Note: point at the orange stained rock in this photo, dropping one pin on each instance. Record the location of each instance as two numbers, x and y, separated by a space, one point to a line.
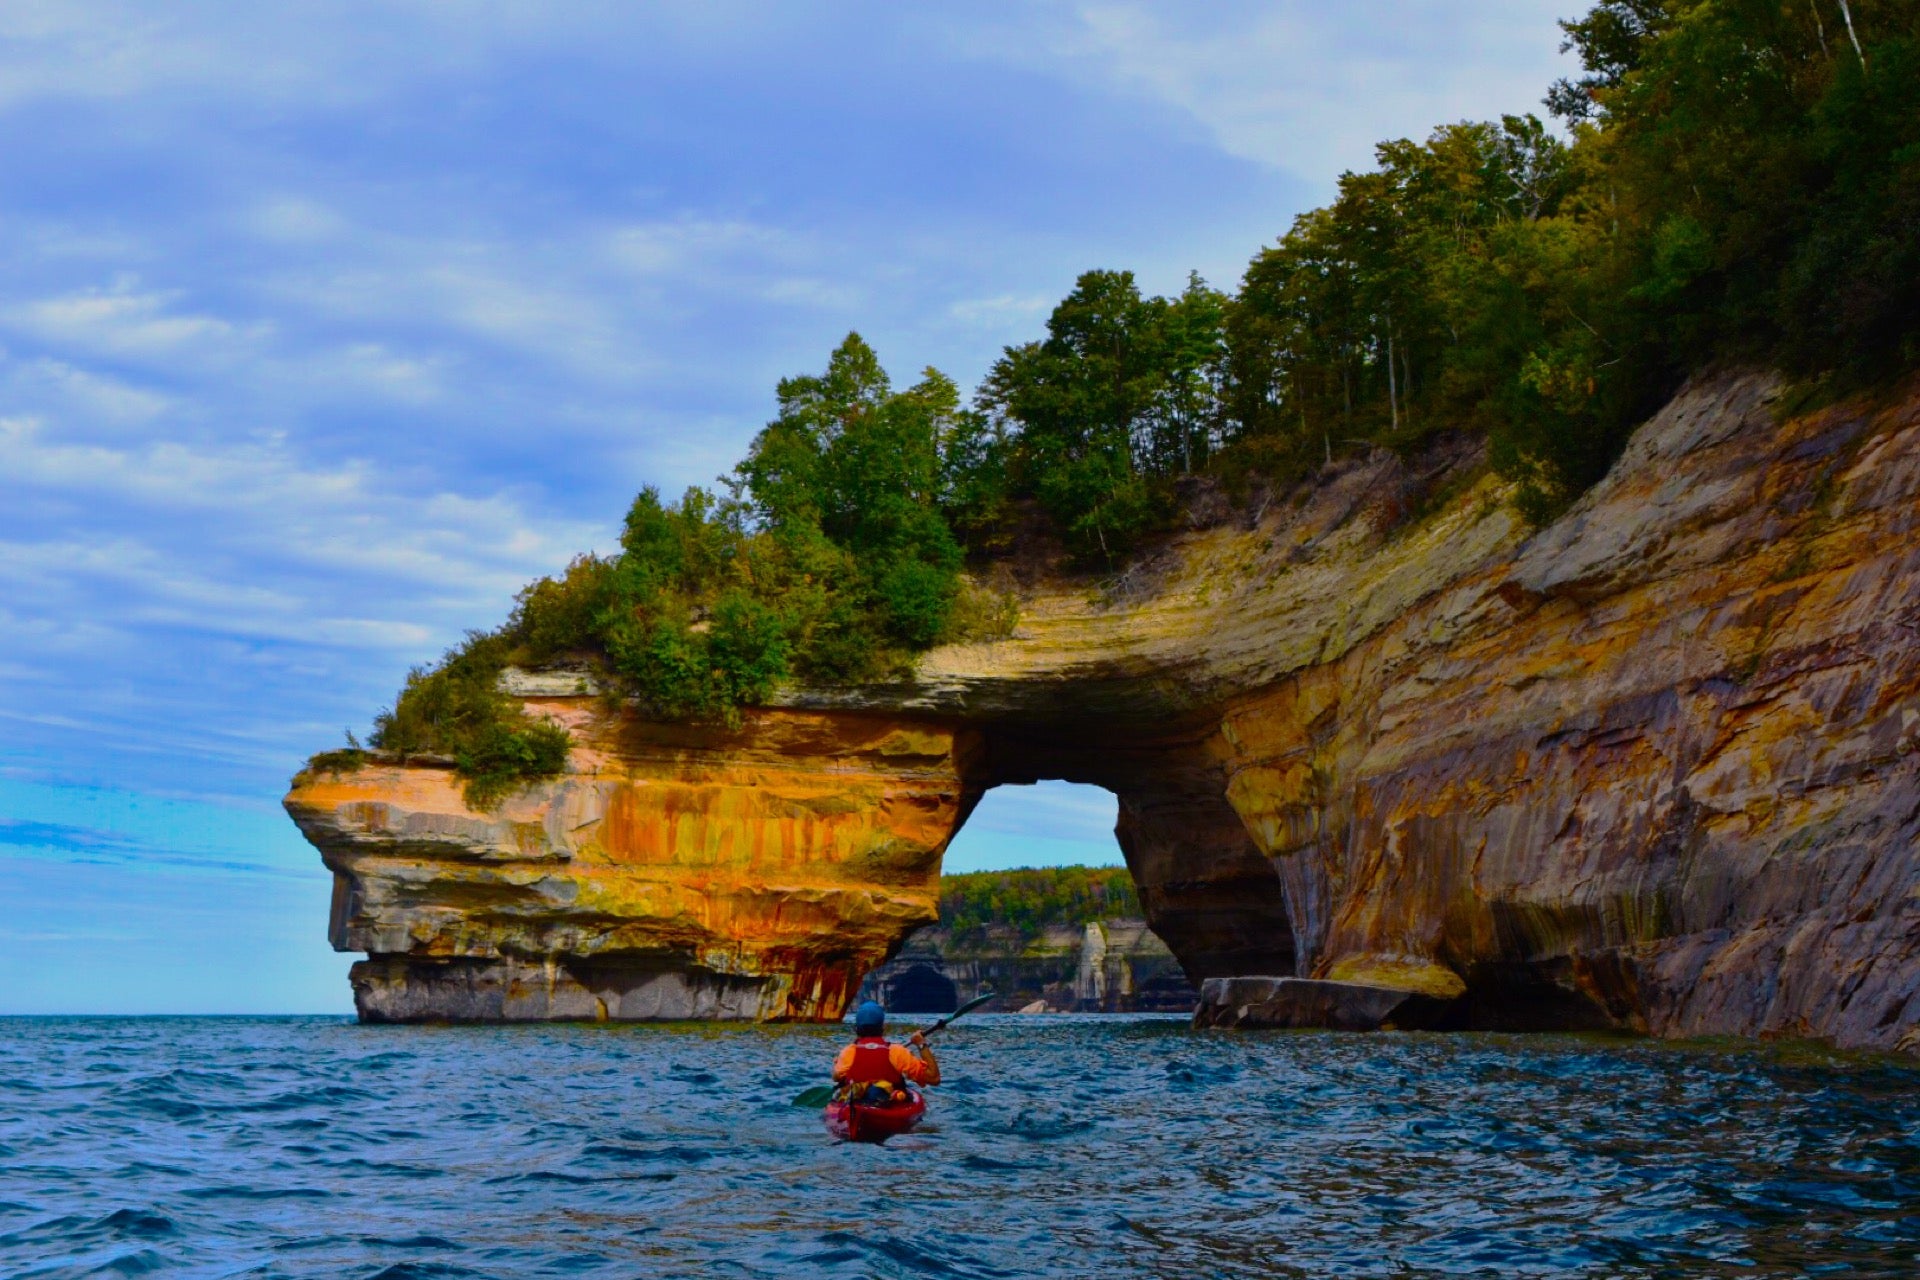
802 864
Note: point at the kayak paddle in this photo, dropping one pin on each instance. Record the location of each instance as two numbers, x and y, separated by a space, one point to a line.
970 1005
820 1095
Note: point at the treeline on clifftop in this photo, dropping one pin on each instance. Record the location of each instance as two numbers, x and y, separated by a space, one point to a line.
1729 180
1032 899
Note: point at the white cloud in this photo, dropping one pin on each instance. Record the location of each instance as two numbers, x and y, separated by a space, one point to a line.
531 302
680 246
91 394
43 718
1306 87
815 291
1002 311
250 539
332 53
175 476
415 379
286 53
295 220
119 321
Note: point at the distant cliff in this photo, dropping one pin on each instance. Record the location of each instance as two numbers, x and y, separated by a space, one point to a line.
1383 754
1101 966
1045 939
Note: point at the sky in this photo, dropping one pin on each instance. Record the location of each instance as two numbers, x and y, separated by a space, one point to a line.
324 327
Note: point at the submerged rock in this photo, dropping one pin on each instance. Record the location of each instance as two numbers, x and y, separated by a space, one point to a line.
1310 1002
1655 766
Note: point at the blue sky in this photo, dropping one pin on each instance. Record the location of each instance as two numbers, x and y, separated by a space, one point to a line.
325 326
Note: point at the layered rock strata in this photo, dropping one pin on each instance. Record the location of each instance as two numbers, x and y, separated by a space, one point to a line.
674 872
1656 766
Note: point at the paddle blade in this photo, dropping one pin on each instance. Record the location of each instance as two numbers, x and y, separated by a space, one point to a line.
976 1002
970 1005
818 1096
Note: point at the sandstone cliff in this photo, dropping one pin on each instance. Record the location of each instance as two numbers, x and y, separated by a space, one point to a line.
675 872
1654 766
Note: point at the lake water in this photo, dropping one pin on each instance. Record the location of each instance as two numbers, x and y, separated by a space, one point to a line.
1060 1147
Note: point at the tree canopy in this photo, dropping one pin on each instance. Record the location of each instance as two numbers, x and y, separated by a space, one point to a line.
1734 179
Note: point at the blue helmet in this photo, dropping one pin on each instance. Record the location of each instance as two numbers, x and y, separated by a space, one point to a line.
869 1019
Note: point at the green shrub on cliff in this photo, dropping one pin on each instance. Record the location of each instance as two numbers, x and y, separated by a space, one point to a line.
554 618
1117 399
456 710
1034 898
845 486
829 559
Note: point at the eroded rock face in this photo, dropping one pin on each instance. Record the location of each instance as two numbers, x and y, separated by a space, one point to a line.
673 873
1656 766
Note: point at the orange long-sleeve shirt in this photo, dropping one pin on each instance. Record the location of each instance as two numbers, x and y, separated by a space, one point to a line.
899 1055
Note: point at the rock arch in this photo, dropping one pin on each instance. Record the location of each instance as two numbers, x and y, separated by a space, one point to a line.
757 872
1655 766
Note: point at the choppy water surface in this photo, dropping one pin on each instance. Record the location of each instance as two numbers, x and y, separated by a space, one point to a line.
1060 1147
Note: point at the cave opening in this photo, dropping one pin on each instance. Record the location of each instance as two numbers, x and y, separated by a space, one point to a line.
1059 944
919 988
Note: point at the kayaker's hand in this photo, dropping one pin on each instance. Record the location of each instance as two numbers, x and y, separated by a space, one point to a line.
918 1041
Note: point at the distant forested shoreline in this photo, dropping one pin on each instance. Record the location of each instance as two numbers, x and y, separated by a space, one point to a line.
1030 900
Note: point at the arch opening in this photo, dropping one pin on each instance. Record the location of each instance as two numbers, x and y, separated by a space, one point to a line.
1205 887
1208 903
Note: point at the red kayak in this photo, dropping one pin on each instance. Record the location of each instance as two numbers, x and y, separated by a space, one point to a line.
852 1122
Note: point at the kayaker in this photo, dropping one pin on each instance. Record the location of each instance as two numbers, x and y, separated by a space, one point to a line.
873 1059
